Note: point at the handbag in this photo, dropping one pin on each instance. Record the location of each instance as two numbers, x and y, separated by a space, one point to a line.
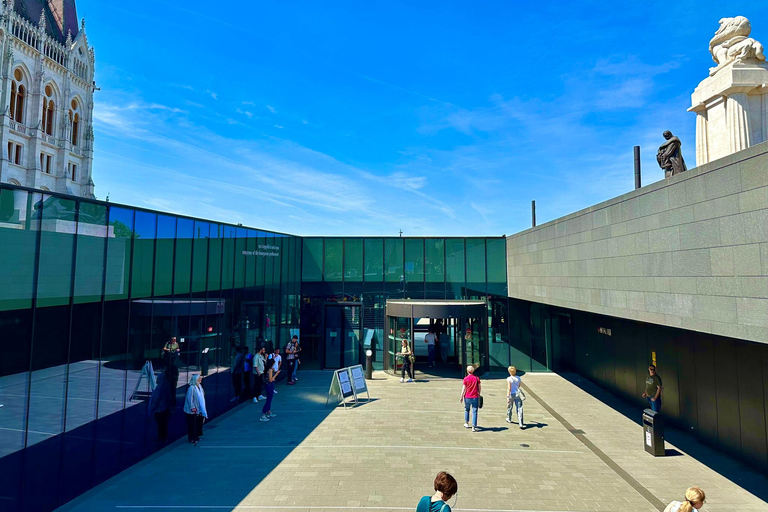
479 401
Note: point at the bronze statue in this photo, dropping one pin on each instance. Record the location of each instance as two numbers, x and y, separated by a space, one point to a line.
670 157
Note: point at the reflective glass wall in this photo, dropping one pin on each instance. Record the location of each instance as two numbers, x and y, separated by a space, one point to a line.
90 292
366 272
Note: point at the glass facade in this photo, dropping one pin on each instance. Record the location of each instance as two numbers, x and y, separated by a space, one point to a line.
90 292
366 272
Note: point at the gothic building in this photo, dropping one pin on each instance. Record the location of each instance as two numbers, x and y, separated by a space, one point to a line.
46 97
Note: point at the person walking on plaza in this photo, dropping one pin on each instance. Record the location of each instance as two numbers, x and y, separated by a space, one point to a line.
470 395
291 349
161 402
515 396
445 488
407 355
259 363
266 411
694 499
238 367
653 389
194 408
430 340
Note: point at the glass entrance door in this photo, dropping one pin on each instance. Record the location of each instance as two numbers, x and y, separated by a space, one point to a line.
342 335
472 337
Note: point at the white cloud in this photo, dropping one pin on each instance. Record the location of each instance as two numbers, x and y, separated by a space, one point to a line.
271 109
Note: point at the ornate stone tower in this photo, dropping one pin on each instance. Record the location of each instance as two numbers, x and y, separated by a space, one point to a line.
731 105
46 97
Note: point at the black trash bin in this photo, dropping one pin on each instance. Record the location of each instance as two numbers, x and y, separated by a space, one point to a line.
653 432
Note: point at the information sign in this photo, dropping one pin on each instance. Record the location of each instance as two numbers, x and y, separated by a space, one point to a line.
358 380
341 387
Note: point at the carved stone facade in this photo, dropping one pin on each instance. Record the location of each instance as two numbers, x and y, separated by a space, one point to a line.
46 97
731 105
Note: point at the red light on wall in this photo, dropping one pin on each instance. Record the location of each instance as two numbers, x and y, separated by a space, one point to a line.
210 329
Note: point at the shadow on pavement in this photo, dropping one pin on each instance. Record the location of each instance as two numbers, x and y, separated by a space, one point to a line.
730 468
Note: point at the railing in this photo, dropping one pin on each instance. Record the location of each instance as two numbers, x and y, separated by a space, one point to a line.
13 125
76 150
50 139
31 35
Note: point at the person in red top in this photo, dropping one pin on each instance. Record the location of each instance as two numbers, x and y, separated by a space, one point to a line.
470 395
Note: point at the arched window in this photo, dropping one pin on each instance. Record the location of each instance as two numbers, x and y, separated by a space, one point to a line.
49 107
74 121
14 182
18 94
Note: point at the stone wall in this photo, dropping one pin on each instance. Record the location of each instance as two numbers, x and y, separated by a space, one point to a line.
690 251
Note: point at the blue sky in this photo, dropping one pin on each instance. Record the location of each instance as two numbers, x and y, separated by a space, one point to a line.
364 118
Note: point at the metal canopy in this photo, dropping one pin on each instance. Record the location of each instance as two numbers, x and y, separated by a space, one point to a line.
436 308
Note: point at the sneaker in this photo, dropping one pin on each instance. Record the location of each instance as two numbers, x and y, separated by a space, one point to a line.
255 399
263 418
233 399
290 383
262 397
466 425
509 420
402 380
475 429
295 380
271 415
409 380
275 391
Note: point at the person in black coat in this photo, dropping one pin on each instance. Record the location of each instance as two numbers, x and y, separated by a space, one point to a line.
161 402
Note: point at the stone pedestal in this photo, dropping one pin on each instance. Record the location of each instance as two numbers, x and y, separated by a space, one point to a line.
731 110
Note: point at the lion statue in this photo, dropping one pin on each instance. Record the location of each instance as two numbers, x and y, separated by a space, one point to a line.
732 43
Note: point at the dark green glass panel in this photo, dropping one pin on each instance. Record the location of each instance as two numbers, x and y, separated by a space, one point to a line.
185 229
228 258
475 260
312 265
353 259
393 260
240 257
166 239
18 248
434 264
57 244
374 259
89 260
454 261
333 258
414 259
143 254
496 249
119 253
214 257
250 258
200 257
261 260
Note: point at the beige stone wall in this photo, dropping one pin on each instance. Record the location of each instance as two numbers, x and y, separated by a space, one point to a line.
690 251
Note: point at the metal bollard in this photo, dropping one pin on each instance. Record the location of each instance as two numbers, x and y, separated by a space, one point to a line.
368 365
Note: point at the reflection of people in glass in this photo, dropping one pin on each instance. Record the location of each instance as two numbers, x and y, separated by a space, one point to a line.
171 352
407 355
160 404
194 408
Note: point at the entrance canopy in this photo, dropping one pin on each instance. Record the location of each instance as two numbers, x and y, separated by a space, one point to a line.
436 308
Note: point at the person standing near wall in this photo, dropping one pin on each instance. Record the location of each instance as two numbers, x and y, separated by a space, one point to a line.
694 499
290 356
296 361
194 408
259 363
653 389
470 395
275 356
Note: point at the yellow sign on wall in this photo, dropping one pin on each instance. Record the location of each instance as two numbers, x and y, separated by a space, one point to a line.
653 358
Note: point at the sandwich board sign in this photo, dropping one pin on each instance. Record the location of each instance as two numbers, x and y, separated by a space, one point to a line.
341 387
358 380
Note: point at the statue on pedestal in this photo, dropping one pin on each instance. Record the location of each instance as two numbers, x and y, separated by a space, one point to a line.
732 43
670 157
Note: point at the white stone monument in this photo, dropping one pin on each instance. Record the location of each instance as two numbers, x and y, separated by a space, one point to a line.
731 105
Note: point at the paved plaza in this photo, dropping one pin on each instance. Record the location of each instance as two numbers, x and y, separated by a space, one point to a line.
581 452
